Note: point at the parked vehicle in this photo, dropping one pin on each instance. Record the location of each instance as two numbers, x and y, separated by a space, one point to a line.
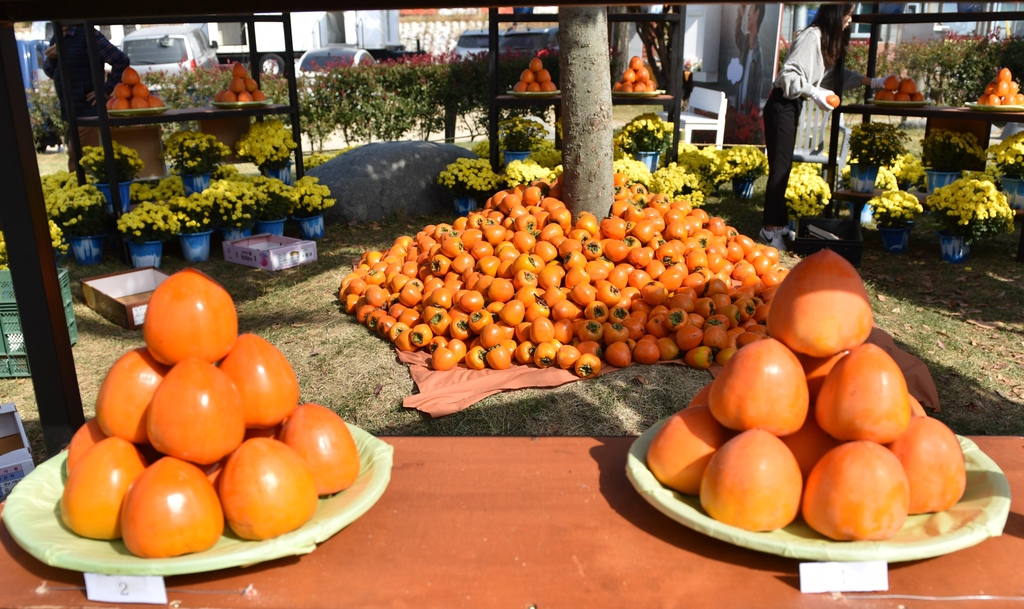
529 40
472 42
316 59
374 31
171 48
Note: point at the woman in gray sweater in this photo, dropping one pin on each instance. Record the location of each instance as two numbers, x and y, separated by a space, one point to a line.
807 74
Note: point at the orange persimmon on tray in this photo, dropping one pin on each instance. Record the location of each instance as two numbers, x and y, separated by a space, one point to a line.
132 98
811 437
199 431
521 283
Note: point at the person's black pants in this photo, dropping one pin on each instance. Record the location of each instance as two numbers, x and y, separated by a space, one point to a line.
780 122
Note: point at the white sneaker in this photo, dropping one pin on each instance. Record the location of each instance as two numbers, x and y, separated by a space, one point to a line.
775 238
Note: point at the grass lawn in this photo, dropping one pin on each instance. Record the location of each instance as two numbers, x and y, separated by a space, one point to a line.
966 322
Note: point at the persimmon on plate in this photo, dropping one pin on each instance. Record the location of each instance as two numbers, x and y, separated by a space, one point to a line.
981 513
30 517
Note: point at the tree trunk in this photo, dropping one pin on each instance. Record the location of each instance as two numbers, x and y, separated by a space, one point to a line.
586 110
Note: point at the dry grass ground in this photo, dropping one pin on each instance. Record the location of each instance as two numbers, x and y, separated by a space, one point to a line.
966 323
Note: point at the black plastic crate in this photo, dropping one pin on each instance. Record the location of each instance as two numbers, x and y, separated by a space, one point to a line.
850 244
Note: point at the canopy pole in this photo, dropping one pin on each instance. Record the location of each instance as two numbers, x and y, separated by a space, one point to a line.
33 268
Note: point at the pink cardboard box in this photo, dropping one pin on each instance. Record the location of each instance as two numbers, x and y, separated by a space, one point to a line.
270 252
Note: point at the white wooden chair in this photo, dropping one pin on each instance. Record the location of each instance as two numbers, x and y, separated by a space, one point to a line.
812 135
707 101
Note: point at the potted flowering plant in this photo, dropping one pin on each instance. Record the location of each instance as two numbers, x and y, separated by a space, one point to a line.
279 198
518 136
1009 159
946 154
744 164
677 182
145 229
873 145
194 156
807 193
971 210
269 145
195 216
526 172
645 138
311 199
235 204
894 213
79 213
163 190
468 179
128 166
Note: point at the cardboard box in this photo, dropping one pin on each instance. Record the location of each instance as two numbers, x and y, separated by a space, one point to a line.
15 454
123 297
270 252
146 141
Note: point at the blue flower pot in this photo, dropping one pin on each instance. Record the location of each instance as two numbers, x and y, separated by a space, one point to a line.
862 177
867 213
123 188
272 227
311 227
230 234
464 205
650 159
195 182
284 174
1013 188
515 155
743 188
195 247
955 248
938 179
895 240
87 250
146 254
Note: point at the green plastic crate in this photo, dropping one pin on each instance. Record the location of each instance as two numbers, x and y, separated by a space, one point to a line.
13 358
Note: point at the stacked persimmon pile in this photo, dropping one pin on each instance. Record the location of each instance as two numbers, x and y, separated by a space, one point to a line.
812 421
535 79
899 89
520 282
1003 91
131 94
198 427
242 88
635 79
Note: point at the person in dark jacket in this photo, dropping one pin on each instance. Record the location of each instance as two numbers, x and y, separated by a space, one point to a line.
80 89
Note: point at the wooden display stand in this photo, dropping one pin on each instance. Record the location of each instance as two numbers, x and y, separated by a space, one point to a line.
146 141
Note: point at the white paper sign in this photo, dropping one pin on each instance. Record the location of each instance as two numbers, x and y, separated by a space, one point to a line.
139 314
844 576
125 589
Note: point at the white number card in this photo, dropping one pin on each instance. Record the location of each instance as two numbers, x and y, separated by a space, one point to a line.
125 589
844 576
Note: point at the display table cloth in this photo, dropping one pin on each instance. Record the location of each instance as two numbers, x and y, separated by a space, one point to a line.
545 522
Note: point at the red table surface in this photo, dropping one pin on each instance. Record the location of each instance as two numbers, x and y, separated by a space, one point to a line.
538 522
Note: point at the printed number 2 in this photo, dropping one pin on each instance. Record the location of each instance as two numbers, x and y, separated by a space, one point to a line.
124 588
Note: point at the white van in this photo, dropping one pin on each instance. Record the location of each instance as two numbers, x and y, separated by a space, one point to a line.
170 48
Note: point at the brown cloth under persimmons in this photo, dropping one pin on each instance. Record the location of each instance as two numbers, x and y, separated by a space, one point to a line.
442 393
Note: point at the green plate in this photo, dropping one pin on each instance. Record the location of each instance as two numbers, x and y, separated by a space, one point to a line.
981 108
885 103
980 514
654 93
535 93
32 515
252 104
137 111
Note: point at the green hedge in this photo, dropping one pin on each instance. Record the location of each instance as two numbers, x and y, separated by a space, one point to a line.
384 101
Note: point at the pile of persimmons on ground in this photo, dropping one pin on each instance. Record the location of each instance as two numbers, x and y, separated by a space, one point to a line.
521 282
201 426
812 421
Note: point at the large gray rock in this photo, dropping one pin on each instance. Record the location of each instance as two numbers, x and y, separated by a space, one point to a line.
377 180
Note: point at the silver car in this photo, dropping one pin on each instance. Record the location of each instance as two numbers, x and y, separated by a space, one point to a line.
169 48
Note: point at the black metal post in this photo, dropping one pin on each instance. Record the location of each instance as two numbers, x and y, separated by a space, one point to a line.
492 68
676 80
31 255
74 142
293 93
254 56
96 67
876 29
